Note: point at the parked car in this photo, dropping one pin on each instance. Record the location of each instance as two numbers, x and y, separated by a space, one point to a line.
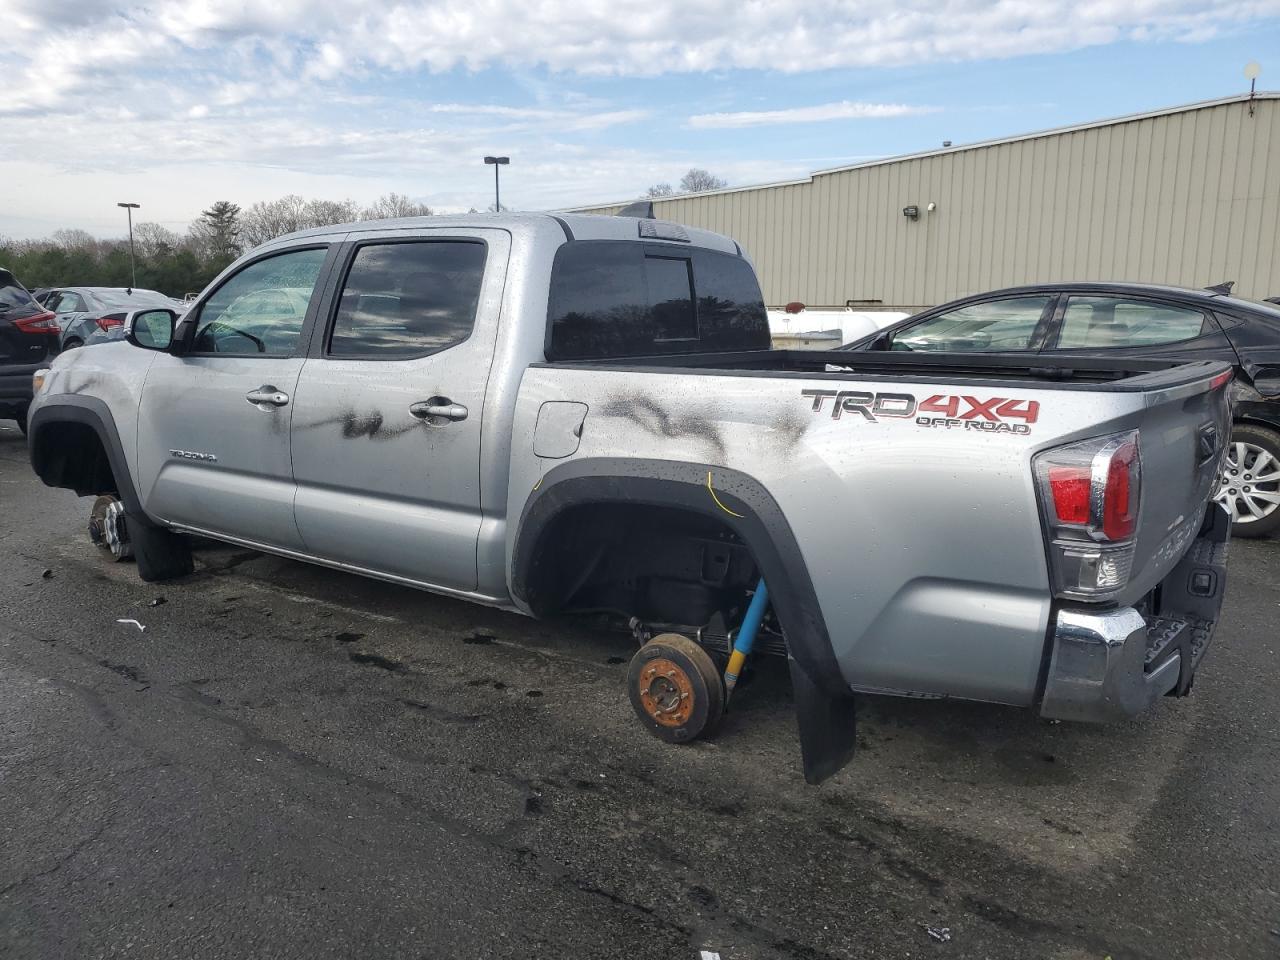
1063 320
538 413
82 310
28 340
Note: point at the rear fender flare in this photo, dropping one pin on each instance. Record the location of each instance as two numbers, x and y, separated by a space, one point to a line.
732 497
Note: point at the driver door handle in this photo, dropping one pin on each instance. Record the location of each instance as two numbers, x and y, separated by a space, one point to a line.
267 394
425 410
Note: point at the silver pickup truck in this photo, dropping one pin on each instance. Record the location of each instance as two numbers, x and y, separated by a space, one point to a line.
557 414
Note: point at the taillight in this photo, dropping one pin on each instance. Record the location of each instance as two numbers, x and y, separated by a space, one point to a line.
44 322
106 323
1090 493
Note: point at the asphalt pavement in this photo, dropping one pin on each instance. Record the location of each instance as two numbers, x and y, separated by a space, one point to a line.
293 762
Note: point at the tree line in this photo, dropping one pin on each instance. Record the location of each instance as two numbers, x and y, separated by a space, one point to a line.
178 264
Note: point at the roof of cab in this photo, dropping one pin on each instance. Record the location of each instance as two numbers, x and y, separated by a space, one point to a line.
573 226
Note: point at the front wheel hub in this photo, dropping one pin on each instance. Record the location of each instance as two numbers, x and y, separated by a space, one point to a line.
109 528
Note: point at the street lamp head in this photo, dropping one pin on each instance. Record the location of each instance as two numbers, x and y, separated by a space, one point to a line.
131 206
497 160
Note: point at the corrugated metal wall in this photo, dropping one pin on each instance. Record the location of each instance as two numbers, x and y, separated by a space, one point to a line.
1187 198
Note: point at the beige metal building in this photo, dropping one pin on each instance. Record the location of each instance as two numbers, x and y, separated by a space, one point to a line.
1189 195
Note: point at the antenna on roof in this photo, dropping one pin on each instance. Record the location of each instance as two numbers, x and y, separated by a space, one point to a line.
1222 289
1251 71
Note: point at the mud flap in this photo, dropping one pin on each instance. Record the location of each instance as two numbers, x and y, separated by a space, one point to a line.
828 733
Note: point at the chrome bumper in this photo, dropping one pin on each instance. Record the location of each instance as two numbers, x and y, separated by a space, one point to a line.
1111 664
1097 670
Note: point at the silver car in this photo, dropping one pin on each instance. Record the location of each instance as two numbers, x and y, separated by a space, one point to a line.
84 311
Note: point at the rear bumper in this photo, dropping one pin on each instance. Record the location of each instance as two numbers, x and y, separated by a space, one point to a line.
1112 664
15 385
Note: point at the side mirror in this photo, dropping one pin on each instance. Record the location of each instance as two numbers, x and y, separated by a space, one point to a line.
152 329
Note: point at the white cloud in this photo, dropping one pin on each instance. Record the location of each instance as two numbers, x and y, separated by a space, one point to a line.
844 110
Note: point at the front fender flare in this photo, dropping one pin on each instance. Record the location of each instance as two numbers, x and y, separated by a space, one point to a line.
95 414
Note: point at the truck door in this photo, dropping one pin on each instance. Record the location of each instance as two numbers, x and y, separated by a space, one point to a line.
387 424
213 426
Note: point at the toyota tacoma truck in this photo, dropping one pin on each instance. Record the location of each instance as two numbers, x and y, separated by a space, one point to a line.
558 414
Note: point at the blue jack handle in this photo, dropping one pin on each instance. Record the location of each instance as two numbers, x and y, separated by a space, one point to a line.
746 636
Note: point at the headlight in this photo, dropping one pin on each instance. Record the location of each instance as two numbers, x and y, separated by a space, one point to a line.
38 378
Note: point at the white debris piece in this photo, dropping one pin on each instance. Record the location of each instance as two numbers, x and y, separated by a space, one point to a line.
941 934
141 628
708 955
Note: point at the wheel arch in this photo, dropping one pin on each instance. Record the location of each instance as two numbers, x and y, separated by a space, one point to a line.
51 430
731 497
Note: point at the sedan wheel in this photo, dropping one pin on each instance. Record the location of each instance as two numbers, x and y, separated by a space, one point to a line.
1250 482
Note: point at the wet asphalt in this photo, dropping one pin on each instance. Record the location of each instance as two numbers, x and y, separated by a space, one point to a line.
294 762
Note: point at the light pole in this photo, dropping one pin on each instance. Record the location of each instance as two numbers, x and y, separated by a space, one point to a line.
133 269
497 162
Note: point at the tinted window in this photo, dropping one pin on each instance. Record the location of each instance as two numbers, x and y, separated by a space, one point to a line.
1102 322
671 298
608 299
408 299
12 295
261 308
997 325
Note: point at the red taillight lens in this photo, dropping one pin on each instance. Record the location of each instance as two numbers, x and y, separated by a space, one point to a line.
1120 499
1070 487
106 323
1089 495
39 323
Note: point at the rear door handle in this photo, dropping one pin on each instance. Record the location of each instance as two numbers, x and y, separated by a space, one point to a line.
267 394
437 410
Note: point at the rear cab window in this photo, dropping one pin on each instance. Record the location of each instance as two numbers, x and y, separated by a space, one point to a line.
621 298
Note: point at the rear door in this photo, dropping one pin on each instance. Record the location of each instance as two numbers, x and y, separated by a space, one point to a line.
213 428
387 422
1096 324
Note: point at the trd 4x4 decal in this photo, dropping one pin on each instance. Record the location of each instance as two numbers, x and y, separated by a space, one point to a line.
961 412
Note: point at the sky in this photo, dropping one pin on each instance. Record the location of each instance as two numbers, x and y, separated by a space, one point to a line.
174 104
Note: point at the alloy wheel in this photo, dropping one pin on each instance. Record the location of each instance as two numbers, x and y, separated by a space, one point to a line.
1250 488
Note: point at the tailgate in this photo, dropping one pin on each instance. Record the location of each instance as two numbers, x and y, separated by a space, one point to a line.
1182 437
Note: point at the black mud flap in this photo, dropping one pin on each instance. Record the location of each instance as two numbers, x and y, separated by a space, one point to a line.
828 733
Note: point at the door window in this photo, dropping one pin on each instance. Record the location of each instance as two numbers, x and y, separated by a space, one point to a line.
69 302
993 326
404 300
1105 322
260 310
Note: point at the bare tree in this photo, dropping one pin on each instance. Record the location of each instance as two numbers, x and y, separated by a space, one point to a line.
697 180
155 241
268 219
323 213
659 190
393 205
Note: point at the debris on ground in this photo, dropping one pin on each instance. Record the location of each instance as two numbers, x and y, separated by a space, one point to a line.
47 574
141 628
156 602
941 934
708 955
